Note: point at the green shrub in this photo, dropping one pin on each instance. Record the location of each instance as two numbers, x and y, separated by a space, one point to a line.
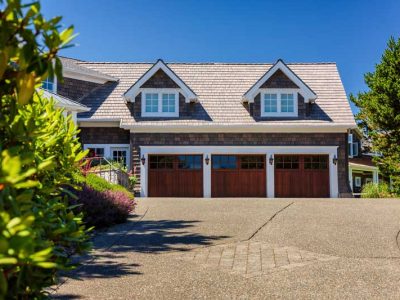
39 152
101 185
374 190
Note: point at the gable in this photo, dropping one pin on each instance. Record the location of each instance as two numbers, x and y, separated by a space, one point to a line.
160 80
279 81
307 93
153 76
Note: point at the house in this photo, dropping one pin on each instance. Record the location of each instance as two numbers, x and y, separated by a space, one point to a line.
217 129
362 169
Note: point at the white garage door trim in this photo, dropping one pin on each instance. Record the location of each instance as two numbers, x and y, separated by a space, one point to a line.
266 150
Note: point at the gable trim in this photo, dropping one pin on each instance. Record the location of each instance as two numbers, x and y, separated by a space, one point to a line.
308 94
135 89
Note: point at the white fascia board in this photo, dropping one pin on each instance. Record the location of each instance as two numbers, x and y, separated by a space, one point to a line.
135 89
239 128
76 108
85 77
355 167
305 91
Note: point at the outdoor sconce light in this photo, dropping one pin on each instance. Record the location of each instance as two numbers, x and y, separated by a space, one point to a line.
143 160
334 160
271 160
207 160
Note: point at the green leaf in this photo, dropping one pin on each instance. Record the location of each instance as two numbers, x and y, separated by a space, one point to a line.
8 261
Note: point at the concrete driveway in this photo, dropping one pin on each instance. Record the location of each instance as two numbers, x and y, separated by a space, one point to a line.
246 248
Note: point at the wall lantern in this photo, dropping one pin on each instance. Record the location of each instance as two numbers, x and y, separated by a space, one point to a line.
271 160
207 160
334 160
143 160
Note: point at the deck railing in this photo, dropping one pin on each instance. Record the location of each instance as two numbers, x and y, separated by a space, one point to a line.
110 171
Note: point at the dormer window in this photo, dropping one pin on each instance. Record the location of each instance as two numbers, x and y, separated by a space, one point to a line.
160 103
279 103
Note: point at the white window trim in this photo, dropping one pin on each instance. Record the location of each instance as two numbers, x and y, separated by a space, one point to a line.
295 112
268 151
108 149
357 181
160 113
351 150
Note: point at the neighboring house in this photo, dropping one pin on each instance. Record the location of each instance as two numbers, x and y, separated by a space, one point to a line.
217 129
362 169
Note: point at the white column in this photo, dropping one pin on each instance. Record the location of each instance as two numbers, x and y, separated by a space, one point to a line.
270 169
333 176
74 117
143 175
351 178
207 175
375 176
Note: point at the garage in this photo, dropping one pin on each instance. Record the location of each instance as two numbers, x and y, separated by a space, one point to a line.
175 176
302 176
238 176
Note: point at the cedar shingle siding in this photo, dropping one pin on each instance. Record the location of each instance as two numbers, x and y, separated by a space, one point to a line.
75 89
279 81
103 135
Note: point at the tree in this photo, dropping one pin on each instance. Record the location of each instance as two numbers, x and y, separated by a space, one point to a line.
39 153
380 111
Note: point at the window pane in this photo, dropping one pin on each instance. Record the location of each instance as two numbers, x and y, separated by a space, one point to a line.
287 103
151 102
270 102
168 102
119 156
224 161
189 162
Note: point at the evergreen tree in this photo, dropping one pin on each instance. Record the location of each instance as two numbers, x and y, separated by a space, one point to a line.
379 111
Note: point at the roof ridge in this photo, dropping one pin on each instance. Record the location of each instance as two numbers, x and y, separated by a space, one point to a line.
206 63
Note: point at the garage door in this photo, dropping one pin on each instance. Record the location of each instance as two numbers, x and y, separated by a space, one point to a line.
238 176
301 176
175 176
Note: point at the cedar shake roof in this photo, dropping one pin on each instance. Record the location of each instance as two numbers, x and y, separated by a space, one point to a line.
74 65
220 88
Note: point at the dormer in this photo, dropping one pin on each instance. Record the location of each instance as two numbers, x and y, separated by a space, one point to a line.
280 93
159 91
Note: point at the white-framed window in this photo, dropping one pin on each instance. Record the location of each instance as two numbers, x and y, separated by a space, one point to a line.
112 152
50 84
279 103
357 181
160 103
353 146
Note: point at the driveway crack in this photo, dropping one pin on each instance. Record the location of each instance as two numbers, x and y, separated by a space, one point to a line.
268 221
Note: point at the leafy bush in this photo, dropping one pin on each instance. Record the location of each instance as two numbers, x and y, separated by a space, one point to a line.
38 153
374 190
102 185
103 208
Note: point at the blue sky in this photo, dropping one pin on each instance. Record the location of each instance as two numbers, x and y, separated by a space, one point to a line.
351 33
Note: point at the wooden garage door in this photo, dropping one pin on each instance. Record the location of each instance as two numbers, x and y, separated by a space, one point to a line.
175 176
238 176
302 176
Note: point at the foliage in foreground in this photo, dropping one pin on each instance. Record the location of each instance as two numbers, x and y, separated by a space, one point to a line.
380 112
376 190
38 152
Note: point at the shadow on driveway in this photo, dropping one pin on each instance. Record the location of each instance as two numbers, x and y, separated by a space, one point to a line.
110 257
159 237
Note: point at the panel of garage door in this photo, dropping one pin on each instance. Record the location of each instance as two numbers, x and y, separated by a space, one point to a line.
238 176
175 176
302 176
